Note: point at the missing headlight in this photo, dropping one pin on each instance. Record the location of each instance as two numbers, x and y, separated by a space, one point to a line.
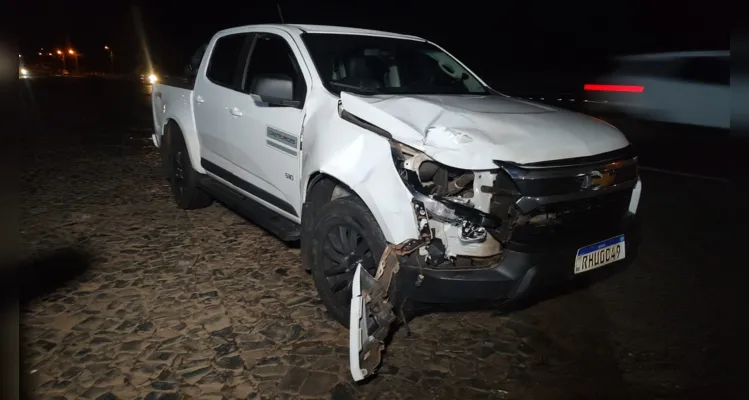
432 178
445 192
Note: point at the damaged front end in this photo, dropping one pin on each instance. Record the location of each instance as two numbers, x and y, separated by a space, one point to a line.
455 231
488 235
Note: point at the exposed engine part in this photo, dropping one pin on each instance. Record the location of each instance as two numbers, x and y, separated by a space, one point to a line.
422 219
458 184
452 212
470 233
435 252
455 245
436 179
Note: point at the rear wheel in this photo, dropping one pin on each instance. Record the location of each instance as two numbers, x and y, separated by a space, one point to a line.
344 234
183 179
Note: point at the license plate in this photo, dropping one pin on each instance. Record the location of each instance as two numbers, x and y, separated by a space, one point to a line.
599 254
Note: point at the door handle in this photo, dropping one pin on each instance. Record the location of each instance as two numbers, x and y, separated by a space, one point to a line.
235 112
199 99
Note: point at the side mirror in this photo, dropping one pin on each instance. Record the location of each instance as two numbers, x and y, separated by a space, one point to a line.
273 89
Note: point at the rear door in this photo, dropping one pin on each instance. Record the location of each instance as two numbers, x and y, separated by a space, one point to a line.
216 89
267 139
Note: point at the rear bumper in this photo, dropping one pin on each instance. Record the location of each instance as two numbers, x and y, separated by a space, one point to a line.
521 272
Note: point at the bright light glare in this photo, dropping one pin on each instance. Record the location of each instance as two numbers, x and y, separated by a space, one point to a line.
153 78
24 71
71 51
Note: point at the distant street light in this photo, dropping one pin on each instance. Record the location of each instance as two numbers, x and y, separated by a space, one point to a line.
111 56
62 55
75 56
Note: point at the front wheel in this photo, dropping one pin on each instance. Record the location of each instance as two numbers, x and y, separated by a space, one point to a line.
344 234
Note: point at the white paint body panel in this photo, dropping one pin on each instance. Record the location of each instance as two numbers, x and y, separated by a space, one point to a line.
175 104
357 327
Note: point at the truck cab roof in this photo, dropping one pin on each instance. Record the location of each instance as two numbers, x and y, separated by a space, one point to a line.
340 30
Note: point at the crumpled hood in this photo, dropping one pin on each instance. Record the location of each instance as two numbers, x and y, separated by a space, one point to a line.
470 131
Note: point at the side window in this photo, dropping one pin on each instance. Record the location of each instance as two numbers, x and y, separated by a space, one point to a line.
711 70
225 58
271 54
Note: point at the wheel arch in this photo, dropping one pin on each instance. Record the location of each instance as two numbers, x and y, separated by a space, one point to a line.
325 187
173 125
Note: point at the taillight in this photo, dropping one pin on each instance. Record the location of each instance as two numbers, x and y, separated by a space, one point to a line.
614 88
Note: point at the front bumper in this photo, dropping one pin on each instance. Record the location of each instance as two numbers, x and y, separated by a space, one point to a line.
521 272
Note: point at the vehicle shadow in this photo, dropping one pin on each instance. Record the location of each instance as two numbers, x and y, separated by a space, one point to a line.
565 348
42 274
34 278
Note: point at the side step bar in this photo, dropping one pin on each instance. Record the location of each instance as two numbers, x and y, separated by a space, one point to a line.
259 214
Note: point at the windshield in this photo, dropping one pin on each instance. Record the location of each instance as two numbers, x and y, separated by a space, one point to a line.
380 65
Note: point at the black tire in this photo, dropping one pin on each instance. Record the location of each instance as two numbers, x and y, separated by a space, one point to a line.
333 259
183 179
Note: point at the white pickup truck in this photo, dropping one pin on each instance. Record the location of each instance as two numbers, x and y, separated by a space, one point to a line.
403 174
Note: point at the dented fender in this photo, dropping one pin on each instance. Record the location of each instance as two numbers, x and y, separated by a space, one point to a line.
361 160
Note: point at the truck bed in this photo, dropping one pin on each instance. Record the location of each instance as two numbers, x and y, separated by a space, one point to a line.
179 82
175 94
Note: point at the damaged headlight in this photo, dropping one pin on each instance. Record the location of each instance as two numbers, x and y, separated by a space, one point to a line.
430 177
445 192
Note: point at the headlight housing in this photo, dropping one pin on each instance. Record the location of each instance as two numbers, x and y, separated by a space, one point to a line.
445 192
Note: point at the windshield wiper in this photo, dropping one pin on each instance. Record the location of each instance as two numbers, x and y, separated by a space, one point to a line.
354 88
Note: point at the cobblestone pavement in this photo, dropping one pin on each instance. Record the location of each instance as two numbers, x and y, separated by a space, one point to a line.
204 305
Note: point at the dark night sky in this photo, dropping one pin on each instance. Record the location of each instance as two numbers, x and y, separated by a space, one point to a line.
517 36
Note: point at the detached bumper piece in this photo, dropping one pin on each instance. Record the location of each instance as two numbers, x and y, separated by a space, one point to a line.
372 314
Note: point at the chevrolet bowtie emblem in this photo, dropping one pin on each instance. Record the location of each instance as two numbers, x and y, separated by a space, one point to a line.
598 180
